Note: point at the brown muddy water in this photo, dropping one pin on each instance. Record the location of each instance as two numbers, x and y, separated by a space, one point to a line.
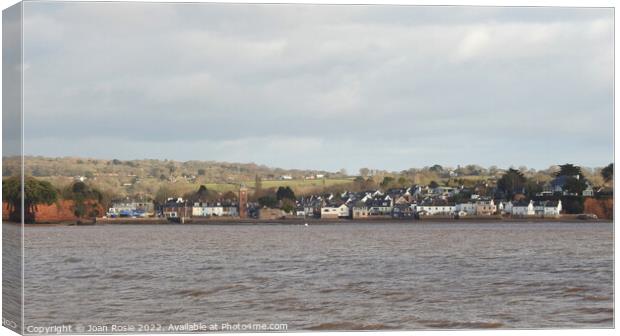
322 277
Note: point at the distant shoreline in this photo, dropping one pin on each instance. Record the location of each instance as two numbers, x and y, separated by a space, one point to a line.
316 221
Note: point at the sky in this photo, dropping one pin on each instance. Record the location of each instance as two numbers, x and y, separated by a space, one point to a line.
320 86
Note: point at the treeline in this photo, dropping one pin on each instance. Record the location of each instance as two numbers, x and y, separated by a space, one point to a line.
38 166
86 201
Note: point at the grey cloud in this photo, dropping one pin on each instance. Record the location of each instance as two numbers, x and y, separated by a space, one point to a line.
377 84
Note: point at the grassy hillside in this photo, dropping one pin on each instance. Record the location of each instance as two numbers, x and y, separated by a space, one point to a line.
143 178
298 185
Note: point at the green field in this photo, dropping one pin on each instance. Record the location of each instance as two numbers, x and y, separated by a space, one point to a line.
266 184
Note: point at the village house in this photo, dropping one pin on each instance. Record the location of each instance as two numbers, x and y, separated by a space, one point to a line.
215 209
176 208
335 211
312 206
444 191
253 209
522 209
380 206
506 208
435 209
588 191
198 210
299 211
548 208
465 209
230 209
312 211
403 211
485 207
396 193
399 195
418 191
208 210
360 210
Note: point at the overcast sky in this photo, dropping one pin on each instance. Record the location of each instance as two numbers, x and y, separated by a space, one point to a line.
320 87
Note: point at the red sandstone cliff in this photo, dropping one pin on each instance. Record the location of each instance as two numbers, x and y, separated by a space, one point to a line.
61 211
602 208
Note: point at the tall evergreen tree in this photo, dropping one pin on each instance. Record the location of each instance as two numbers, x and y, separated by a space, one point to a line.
608 172
512 182
36 192
569 170
285 193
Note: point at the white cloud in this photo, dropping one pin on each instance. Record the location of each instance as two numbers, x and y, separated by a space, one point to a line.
474 43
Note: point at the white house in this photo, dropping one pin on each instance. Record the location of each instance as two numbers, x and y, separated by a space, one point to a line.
485 207
522 209
197 210
343 211
359 210
588 191
506 208
432 210
300 212
215 209
467 208
333 211
548 208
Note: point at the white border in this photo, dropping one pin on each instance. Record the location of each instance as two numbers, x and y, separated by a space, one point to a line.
534 3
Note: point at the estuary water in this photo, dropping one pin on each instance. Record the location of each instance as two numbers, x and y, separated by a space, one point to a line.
320 277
